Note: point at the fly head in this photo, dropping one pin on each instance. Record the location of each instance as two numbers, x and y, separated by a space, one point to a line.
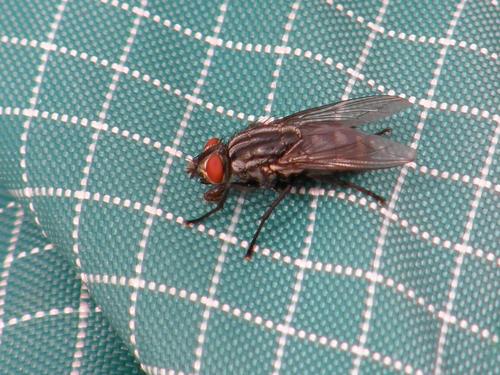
212 165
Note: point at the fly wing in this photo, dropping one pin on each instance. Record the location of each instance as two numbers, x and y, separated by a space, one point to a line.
323 149
349 113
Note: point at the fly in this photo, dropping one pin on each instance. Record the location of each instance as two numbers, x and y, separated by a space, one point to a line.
318 143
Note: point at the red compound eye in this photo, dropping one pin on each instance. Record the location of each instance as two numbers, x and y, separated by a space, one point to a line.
214 169
211 142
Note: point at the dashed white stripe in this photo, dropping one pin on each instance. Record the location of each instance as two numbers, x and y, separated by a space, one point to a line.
192 297
414 230
33 103
43 314
89 159
122 61
35 250
365 326
366 50
85 122
237 211
83 313
412 38
297 287
259 48
164 174
335 269
347 91
88 165
7 263
122 281
277 256
279 61
340 270
298 52
7 207
445 175
482 179
147 141
459 259
214 283
154 370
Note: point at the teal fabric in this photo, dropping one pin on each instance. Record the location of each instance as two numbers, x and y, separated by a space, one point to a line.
102 102
41 307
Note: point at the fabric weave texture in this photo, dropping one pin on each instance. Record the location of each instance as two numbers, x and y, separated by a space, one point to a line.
103 101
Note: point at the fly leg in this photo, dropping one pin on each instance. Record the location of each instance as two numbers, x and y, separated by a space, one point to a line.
220 206
386 131
263 219
361 189
243 186
219 195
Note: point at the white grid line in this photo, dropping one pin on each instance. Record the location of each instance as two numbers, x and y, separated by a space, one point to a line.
7 263
237 210
8 207
85 122
367 314
33 103
240 201
152 286
472 215
43 314
89 159
297 287
459 259
279 61
83 314
103 63
348 271
154 370
299 277
414 230
87 169
267 48
9 260
214 283
335 269
35 250
147 141
366 50
165 172
422 39
192 297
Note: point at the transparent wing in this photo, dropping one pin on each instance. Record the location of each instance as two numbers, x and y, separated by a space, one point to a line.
349 113
325 148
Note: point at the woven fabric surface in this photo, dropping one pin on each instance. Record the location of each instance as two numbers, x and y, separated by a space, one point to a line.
46 316
102 102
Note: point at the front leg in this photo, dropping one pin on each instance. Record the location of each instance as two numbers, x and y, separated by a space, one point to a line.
218 194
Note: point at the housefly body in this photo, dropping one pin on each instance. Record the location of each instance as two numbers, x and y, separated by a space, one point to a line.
318 143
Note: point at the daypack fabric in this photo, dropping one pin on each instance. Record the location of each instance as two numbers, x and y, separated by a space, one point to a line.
101 104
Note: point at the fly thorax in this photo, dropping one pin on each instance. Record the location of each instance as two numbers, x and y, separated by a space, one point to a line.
238 166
